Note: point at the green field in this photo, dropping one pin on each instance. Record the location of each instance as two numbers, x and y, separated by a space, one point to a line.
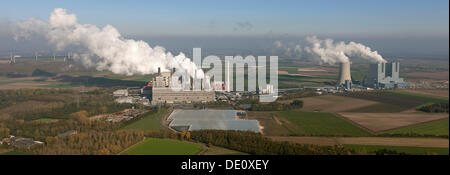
153 146
214 150
433 128
319 123
46 120
401 149
149 122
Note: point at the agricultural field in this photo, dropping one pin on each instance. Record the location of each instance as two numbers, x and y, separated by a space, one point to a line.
401 149
154 146
392 101
273 124
431 92
149 122
379 122
46 73
379 141
294 81
333 103
438 128
214 150
319 123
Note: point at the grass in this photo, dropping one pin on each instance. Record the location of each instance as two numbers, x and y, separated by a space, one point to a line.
214 150
61 85
271 126
290 70
401 149
149 122
323 124
9 81
433 128
154 146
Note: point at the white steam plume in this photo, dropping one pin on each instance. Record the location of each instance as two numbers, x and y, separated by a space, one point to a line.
327 51
112 51
290 49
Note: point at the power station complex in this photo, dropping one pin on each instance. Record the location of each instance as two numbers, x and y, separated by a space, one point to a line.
380 76
385 76
161 91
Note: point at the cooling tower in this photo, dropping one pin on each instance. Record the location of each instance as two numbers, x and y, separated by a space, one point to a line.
344 73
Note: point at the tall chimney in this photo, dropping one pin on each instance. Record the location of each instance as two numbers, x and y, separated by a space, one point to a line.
344 73
159 71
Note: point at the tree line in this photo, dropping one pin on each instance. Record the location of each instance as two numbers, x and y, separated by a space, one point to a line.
275 106
255 143
435 108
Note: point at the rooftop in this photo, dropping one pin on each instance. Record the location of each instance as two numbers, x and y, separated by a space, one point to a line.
210 119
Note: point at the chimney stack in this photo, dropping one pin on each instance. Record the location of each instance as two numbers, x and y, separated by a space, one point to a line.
159 71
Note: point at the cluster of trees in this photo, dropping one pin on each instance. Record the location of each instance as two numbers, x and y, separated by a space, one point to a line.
40 130
254 143
10 97
57 103
4 132
297 94
296 104
435 108
388 152
88 143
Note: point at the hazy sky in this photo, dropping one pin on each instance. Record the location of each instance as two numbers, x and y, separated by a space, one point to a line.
381 20
241 17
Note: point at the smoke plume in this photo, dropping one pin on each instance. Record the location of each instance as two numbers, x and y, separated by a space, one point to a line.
327 51
105 48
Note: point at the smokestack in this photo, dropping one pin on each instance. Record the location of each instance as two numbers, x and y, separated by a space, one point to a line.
227 76
344 73
159 71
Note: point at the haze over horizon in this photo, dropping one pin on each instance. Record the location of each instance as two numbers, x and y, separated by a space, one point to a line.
400 28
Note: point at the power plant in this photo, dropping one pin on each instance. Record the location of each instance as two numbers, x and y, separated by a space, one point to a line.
380 76
344 74
162 92
385 76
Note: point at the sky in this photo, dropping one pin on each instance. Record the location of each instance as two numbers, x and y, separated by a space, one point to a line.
374 20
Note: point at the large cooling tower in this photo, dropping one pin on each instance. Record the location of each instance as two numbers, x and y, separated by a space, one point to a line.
344 73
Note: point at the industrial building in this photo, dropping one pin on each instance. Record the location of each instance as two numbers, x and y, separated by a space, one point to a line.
191 120
162 93
385 76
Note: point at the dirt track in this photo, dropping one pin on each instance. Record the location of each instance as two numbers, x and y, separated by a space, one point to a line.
388 141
